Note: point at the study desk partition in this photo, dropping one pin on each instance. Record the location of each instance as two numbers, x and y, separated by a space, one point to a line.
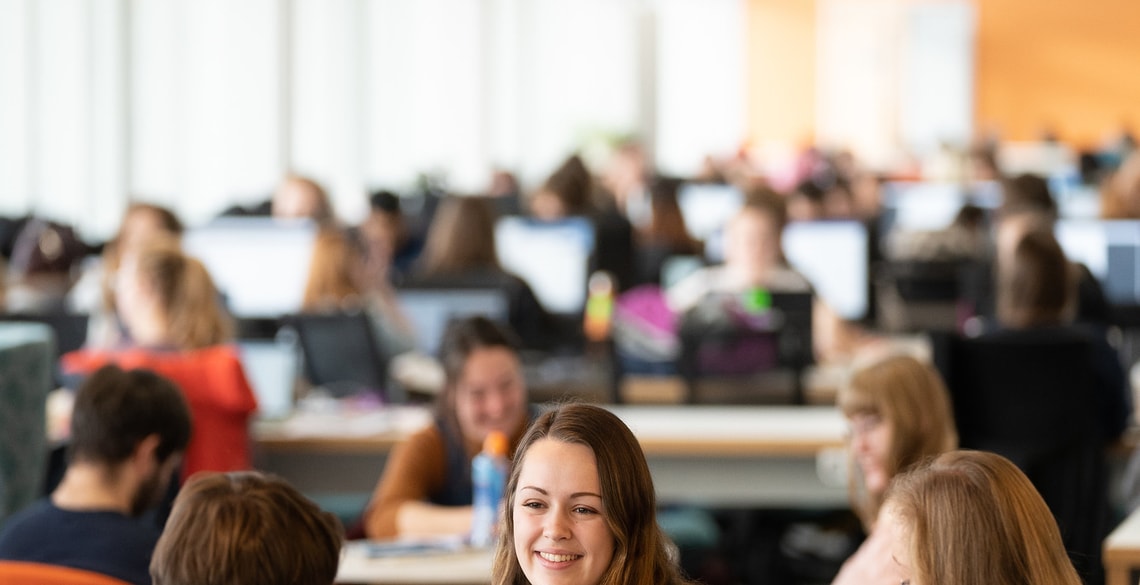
754 456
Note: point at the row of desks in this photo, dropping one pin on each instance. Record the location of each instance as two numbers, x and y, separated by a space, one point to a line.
726 456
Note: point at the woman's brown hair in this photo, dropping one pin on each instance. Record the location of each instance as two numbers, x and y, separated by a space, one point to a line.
461 238
246 528
911 397
973 517
641 551
190 301
1037 286
333 280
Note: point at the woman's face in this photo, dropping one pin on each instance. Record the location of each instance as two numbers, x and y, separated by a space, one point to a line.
135 300
140 227
490 394
561 535
871 437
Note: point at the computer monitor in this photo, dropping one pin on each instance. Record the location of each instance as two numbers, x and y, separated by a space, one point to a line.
259 265
272 369
928 206
834 257
707 207
1111 251
431 310
552 257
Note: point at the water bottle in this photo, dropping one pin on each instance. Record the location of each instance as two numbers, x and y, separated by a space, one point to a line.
488 478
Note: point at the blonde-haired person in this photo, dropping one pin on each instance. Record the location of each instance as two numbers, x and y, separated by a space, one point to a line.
899 412
346 275
971 517
246 528
94 293
177 327
580 507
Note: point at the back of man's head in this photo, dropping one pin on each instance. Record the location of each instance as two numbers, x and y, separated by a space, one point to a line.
116 409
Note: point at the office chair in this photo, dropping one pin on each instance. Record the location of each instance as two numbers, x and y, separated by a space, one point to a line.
749 355
43 574
341 352
25 380
1030 396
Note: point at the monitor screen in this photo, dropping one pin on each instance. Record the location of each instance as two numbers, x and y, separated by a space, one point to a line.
272 370
552 257
707 207
1111 251
834 256
929 206
259 265
430 310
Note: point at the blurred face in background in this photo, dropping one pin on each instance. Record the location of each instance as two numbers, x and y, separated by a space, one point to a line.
490 395
871 437
139 227
753 242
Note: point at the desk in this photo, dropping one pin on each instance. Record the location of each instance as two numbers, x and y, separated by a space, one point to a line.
459 568
1122 551
774 456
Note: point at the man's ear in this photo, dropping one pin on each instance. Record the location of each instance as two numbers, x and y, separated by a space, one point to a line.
145 454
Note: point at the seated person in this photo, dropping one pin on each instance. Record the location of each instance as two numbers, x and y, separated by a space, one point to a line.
246 528
426 486
580 507
899 413
94 292
973 517
753 257
344 276
1036 292
171 310
460 252
128 432
386 227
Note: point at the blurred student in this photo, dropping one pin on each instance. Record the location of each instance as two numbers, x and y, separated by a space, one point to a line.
129 430
344 276
754 257
973 517
664 234
898 411
246 528
386 228
460 252
299 197
1036 296
1120 192
570 192
173 317
426 485
580 507
94 294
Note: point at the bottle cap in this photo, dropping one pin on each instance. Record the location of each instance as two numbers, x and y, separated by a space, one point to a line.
495 443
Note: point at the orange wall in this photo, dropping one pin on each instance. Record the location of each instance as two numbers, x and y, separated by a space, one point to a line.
1072 65
781 71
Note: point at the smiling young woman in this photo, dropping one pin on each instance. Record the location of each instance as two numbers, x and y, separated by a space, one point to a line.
580 507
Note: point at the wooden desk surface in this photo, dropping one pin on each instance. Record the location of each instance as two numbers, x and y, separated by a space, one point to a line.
1122 551
745 431
472 567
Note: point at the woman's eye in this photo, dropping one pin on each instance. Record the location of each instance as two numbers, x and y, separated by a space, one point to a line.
583 510
532 505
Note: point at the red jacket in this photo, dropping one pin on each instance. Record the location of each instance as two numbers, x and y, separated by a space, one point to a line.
214 384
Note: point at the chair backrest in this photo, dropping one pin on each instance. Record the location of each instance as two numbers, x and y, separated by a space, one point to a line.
1031 396
776 337
25 380
341 352
41 574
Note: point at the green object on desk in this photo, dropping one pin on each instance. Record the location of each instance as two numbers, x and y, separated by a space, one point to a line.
757 300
